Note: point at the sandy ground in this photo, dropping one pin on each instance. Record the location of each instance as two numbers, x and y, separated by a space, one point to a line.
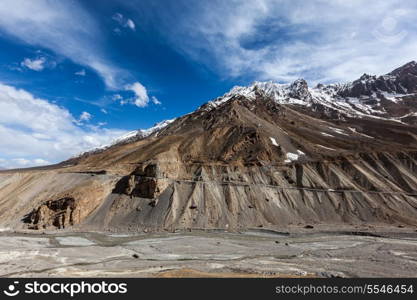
257 253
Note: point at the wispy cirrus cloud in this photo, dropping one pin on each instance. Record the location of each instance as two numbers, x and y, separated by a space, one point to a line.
81 72
65 28
22 163
156 100
284 40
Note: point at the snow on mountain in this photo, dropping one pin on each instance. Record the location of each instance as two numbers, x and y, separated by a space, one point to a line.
132 136
368 96
139 134
294 93
274 141
381 97
156 128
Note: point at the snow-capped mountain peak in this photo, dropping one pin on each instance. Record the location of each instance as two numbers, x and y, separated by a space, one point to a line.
369 96
388 97
293 93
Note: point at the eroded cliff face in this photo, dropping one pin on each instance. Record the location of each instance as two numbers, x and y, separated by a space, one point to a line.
50 199
369 188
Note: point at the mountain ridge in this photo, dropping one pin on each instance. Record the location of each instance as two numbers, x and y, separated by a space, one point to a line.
298 91
267 155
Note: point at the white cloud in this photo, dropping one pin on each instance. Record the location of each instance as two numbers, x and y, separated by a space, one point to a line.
130 24
141 94
283 40
63 27
34 131
104 111
117 97
80 73
37 64
85 116
156 101
118 17
40 161
124 22
23 163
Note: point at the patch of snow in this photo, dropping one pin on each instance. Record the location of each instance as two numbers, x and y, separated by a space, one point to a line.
391 97
274 142
328 96
132 135
324 147
413 114
122 138
292 156
142 133
338 130
281 93
156 127
395 97
365 135
326 134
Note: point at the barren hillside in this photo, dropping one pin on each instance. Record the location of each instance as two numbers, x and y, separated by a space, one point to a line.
266 155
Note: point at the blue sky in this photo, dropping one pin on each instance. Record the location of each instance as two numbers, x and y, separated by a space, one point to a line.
76 74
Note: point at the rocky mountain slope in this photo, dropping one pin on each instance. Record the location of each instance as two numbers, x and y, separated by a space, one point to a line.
266 155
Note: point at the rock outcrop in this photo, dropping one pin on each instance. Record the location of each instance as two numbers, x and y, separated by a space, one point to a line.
53 213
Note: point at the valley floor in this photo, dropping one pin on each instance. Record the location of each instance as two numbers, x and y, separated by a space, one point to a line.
386 252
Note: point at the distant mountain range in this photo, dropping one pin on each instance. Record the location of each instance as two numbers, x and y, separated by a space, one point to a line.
265 155
389 97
